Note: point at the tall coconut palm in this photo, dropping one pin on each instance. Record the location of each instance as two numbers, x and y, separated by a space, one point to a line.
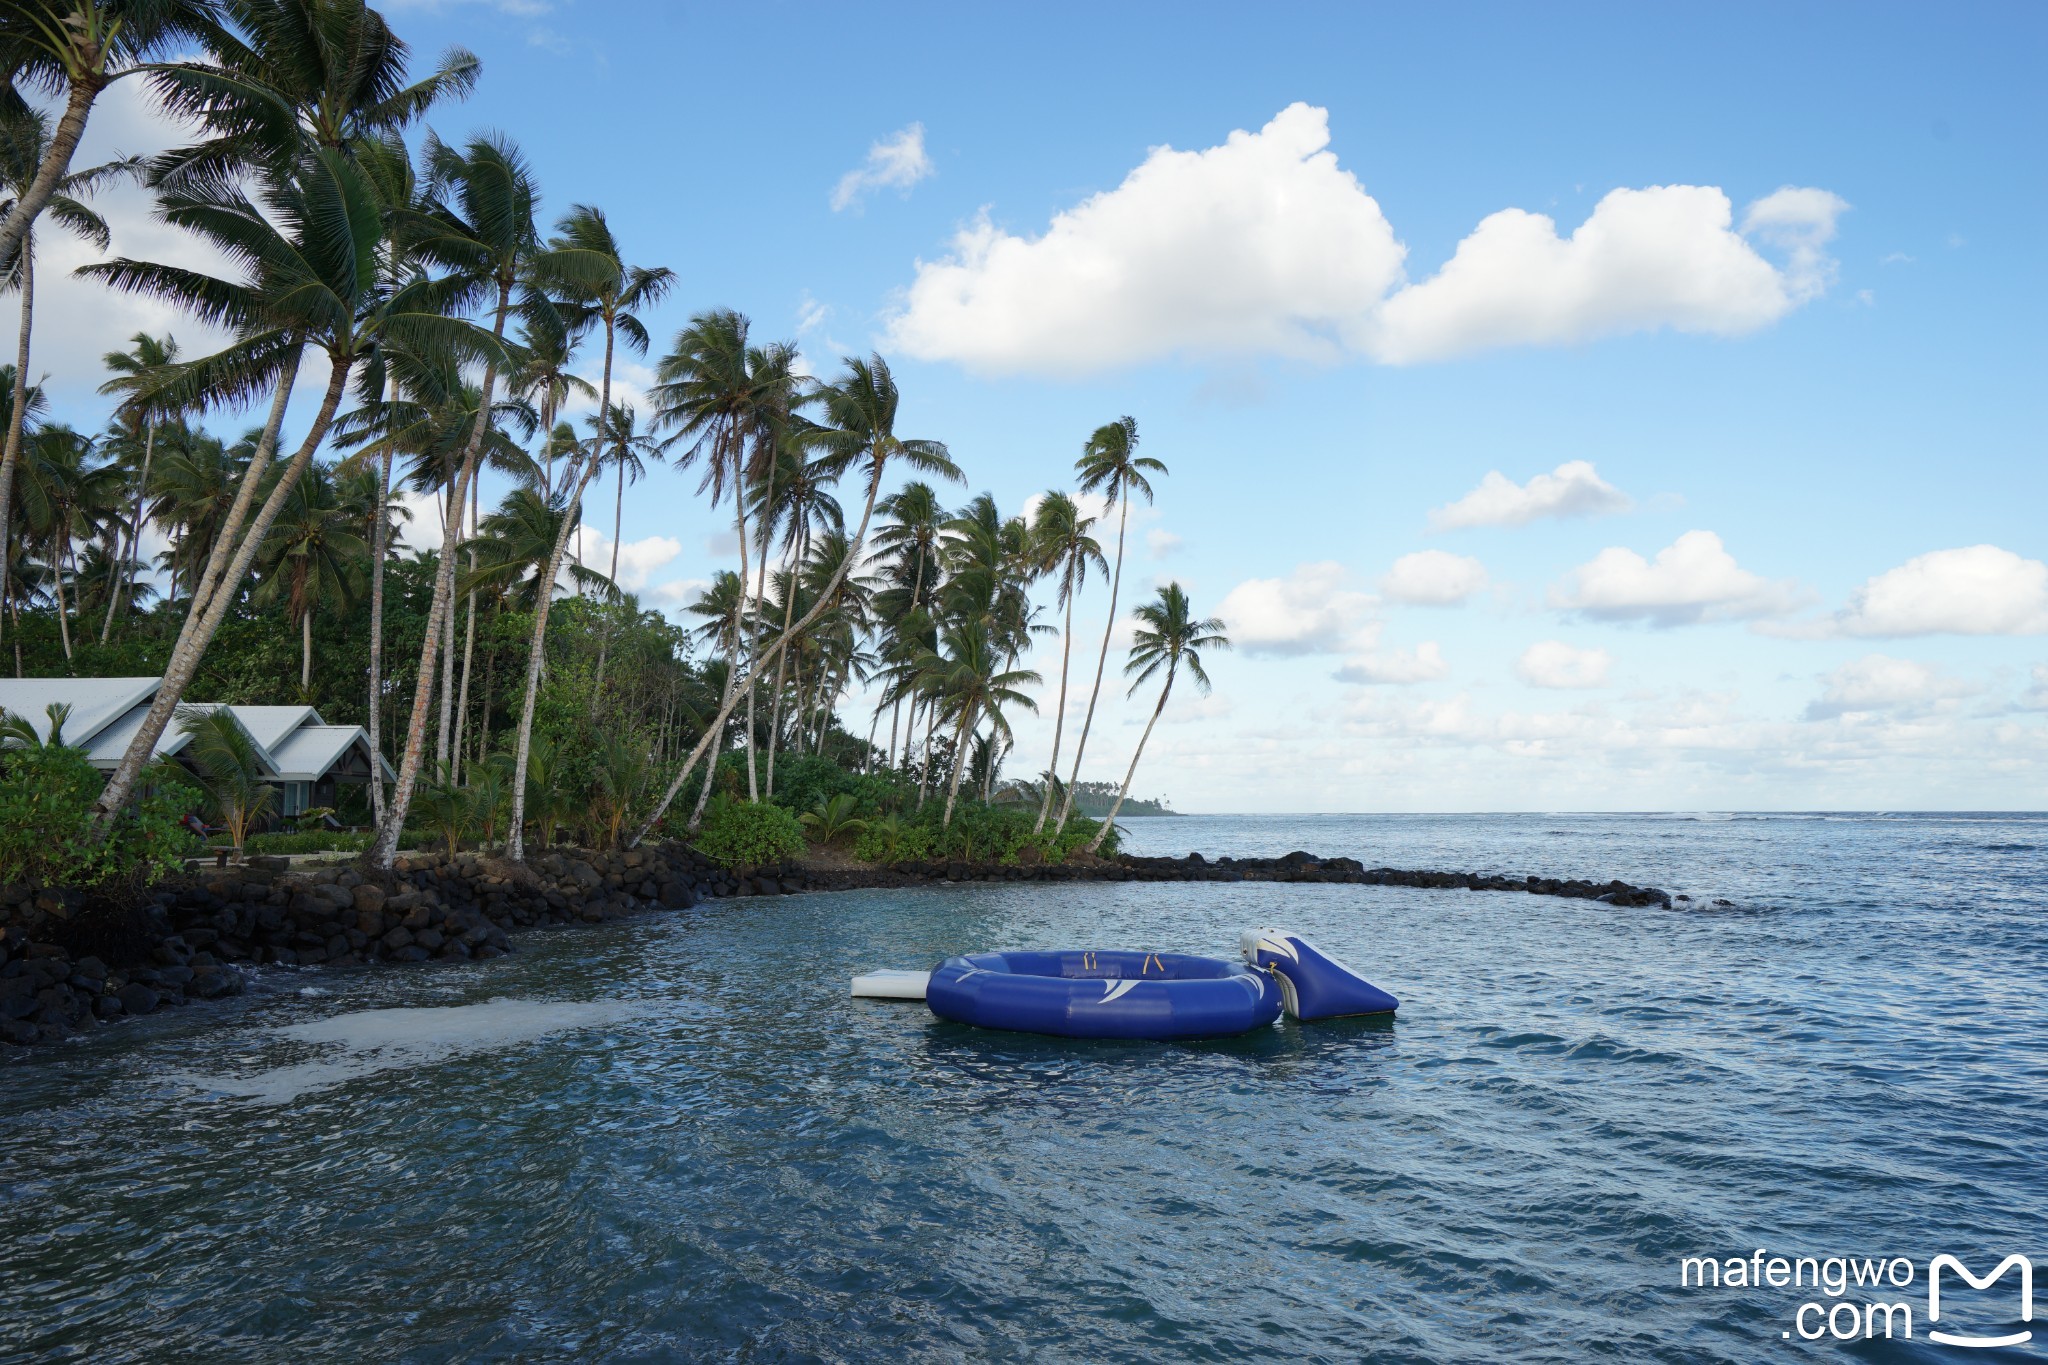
619 442
600 290
66 497
1169 637
313 559
309 253
1065 549
1109 464
861 411
24 147
77 48
136 373
718 391
797 500
480 228
543 379
195 484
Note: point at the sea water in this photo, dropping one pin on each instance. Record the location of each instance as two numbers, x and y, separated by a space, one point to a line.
678 1138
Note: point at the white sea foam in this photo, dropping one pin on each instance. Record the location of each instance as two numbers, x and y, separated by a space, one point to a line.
367 1042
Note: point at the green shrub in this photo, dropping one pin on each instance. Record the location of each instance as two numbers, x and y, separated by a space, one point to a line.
833 818
746 834
46 823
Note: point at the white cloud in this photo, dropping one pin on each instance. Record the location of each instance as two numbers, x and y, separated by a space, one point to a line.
1433 578
1693 579
1553 663
76 320
1878 682
1161 543
1313 610
638 559
898 161
1265 245
1573 489
1424 663
1977 590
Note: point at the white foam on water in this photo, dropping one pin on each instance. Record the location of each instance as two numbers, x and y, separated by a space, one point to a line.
367 1042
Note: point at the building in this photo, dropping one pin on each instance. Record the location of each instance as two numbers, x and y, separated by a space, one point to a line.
304 757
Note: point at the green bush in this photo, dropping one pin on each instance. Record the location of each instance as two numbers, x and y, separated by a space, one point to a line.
890 839
46 824
747 834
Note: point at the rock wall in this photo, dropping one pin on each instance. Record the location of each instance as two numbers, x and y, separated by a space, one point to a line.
68 962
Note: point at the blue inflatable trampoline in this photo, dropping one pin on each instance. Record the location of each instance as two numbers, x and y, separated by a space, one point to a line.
1103 994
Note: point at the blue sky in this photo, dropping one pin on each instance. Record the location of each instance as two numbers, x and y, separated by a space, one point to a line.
1822 409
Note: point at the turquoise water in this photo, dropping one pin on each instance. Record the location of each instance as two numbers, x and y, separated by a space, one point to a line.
678 1139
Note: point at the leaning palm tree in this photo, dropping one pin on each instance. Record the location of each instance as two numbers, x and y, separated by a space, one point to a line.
77 48
1109 463
230 768
861 409
136 373
24 146
480 229
309 253
586 266
1168 637
1063 548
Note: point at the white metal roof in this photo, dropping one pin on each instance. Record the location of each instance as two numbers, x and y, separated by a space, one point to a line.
293 743
95 703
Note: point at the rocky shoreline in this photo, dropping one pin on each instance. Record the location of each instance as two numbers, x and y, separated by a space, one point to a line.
69 962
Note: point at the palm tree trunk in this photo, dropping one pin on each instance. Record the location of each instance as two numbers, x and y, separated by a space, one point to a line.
767 504
924 772
128 565
14 229
1088 722
468 641
575 477
1109 820
306 650
385 851
204 618
379 536
775 716
452 510
959 765
58 558
1059 719
12 456
604 639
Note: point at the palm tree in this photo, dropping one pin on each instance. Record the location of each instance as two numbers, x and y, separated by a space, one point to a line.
861 409
543 379
480 228
588 268
1168 637
136 372
310 255
631 451
513 547
79 48
1110 463
796 499
229 766
24 146
64 497
969 681
1065 549
313 558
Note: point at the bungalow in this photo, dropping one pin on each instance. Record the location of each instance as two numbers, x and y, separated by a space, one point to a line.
302 755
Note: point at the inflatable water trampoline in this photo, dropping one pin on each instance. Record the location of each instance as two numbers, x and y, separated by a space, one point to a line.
1083 993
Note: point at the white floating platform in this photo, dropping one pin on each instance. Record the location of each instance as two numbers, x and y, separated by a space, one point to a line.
891 985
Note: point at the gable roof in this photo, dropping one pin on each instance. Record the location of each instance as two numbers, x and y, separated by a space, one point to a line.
95 703
293 743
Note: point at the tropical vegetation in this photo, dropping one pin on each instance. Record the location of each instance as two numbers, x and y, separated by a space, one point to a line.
450 331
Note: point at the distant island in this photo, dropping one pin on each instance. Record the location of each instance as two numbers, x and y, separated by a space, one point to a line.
1093 799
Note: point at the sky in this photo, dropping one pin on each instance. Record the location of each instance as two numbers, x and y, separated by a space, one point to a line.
1603 407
